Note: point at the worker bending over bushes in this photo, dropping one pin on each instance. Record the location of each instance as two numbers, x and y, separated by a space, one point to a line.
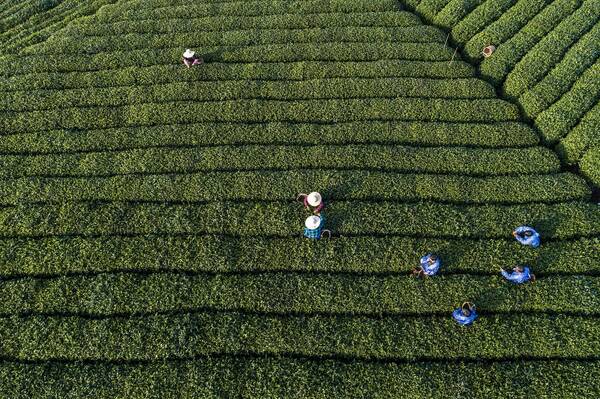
465 315
312 201
430 265
527 236
190 58
314 227
519 275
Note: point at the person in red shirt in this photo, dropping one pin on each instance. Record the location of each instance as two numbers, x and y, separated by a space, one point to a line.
312 201
190 58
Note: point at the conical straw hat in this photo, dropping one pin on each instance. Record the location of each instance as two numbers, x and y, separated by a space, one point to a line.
314 199
312 222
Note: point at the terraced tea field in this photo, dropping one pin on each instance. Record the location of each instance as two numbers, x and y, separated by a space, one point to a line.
150 241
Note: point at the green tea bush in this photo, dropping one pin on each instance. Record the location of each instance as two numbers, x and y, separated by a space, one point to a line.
483 15
454 11
286 376
556 121
150 239
590 165
220 72
295 52
581 137
24 10
544 57
235 38
132 293
507 55
242 89
549 51
226 23
59 256
505 27
429 8
560 79
263 185
411 3
493 135
255 111
42 25
185 336
457 160
279 219
239 9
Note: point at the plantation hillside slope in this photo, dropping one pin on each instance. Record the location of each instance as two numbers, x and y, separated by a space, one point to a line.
151 245
546 60
26 22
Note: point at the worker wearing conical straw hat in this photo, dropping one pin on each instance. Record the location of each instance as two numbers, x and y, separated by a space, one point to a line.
313 227
312 201
488 50
190 58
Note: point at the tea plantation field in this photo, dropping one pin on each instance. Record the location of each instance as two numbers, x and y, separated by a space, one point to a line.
151 244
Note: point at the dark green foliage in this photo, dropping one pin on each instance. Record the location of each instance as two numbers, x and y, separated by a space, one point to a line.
251 157
514 49
136 41
480 18
13 17
454 12
321 111
294 52
131 12
583 136
151 244
271 185
556 121
187 335
549 51
282 219
132 293
590 165
392 18
545 58
505 27
494 135
225 72
215 254
562 77
45 23
429 8
345 88
278 377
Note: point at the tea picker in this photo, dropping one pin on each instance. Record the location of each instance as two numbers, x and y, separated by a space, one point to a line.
465 315
488 50
312 201
527 236
190 58
313 227
519 275
430 265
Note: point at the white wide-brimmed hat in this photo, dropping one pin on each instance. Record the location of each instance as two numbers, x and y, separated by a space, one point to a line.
312 222
314 199
188 53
